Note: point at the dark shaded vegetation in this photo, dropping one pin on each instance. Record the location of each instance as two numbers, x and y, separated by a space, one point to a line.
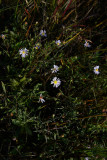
72 122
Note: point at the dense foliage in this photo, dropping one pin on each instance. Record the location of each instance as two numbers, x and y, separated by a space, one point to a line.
53 80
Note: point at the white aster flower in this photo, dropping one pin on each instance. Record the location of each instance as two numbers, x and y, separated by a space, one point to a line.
3 36
43 33
86 158
56 82
96 70
23 52
58 42
86 44
55 69
41 99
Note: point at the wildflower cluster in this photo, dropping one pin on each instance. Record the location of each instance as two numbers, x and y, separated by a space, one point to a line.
37 46
53 79
56 82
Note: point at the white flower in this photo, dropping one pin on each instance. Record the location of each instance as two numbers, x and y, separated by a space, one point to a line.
96 70
58 42
41 99
56 82
86 158
86 44
55 69
43 33
3 36
23 52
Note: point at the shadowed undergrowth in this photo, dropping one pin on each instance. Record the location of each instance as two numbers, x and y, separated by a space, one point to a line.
53 79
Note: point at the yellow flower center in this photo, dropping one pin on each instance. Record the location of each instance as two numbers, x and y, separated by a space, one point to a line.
23 52
96 70
55 82
36 47
87 43
43 33
58 44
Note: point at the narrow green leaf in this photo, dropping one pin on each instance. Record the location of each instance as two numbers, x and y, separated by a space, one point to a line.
3 86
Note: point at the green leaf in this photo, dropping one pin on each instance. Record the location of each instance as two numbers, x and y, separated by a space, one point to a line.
14 83
3 86
23 79
28 130
54 136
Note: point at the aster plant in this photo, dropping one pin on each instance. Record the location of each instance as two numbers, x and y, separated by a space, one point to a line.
55 69
56 82
96 70
23 52
41 117
43 33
